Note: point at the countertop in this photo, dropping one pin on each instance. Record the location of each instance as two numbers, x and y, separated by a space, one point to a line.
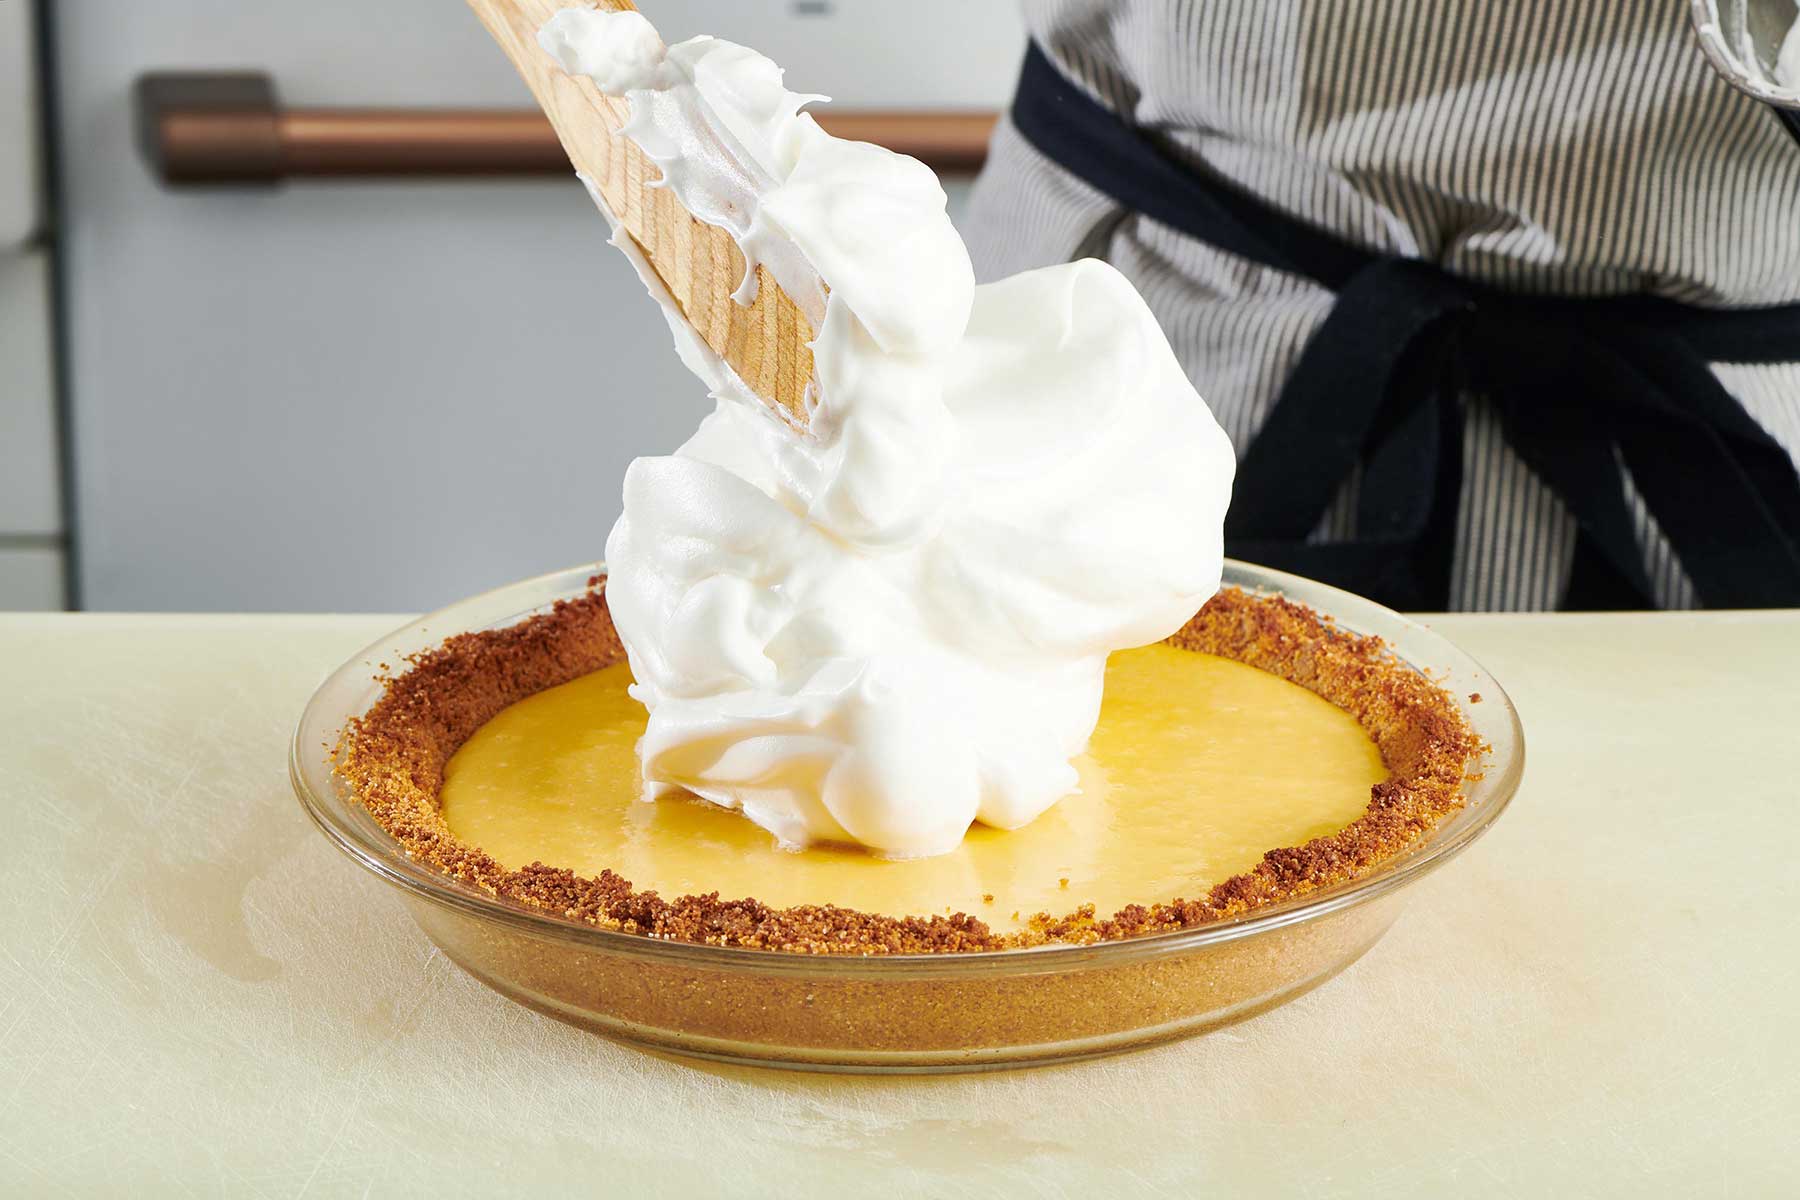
199 996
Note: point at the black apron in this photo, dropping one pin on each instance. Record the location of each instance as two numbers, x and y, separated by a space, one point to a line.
1585 387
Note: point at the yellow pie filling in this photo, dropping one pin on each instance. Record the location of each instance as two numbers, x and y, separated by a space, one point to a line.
1197 767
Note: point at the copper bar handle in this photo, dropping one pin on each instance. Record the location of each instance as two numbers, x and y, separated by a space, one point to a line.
210 128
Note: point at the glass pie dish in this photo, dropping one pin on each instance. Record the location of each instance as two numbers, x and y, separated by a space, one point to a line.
901 1012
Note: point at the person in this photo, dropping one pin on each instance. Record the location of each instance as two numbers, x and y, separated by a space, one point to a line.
1500 303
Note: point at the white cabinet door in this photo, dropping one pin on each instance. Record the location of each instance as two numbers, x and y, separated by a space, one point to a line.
20 207
31 526
30 486
31 578
386 396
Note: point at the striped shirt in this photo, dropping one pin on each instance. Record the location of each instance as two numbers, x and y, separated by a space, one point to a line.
1573 146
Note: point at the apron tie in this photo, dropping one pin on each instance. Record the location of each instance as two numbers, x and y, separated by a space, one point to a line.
1585 388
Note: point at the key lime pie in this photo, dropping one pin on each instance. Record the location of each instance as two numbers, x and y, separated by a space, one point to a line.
937 663
1257 755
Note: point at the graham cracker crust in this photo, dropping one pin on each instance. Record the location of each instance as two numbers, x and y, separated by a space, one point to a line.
393 759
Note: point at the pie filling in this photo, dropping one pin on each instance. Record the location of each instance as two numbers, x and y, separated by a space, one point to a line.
1197 767
1258 755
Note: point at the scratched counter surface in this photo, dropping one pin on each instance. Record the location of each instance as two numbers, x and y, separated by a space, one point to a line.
199 996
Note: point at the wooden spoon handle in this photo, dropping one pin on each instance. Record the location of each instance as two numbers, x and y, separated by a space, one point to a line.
700 265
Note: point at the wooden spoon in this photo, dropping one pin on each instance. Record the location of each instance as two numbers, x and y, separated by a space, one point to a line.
765 342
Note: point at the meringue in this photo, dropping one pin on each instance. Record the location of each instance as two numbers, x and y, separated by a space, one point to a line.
895 621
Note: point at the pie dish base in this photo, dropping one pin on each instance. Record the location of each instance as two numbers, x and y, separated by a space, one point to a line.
901 1011
894 1021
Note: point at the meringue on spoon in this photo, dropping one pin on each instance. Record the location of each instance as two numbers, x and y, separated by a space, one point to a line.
887 616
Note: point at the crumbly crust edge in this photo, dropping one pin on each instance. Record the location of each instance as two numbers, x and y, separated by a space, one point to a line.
392 759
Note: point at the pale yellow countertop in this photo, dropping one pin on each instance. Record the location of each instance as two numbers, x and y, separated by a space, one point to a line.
199 996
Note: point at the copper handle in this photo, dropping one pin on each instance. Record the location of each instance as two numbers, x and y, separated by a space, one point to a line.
229 128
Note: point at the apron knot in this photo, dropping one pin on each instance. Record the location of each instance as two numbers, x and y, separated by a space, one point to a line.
1586 389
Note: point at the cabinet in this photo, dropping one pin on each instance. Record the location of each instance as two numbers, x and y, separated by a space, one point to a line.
384 396
20 177
32 561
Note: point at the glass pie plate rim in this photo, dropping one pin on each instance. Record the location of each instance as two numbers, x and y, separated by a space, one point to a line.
348 690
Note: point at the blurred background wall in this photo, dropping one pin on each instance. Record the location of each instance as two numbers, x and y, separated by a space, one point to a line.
353 395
